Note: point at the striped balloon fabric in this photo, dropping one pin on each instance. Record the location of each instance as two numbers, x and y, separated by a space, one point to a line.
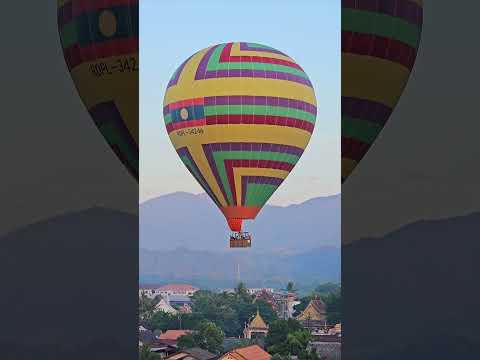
380 39
100 46
240 116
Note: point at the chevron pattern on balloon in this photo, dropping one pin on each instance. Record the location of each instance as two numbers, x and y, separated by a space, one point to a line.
240 116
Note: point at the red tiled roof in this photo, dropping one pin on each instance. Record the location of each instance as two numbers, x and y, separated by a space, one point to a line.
173 334
186 309
253 352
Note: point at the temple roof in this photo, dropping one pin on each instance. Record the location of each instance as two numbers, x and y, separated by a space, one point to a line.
315 310
164 306
258 322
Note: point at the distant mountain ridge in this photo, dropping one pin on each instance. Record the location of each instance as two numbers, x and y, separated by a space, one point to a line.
212 269
194 222
74 260
414 275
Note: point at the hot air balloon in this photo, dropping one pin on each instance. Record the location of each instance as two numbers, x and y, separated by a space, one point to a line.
240 116
380 39
100 46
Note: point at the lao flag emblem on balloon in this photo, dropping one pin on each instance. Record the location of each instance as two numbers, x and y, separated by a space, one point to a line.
185 113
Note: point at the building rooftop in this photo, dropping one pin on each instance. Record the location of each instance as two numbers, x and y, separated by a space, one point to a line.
253 352
258 322
165 307
318 339
315 310
171 287
193 354
179 298
173 334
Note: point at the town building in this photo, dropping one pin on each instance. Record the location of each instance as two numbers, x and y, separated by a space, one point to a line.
165 344
185 309
291 303
254 291
145 336
179 300
193 354
163 348
327 347
253 352
256 329
314 317
338 329
167 290
173 334
164 305
268 297
285 302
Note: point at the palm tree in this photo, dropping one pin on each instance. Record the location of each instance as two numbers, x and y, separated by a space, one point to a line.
290 286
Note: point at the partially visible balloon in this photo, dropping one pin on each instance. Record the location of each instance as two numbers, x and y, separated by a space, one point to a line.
380 39
240 116
100 46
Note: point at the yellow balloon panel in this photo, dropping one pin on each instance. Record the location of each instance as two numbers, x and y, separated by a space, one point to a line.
240 116
100 45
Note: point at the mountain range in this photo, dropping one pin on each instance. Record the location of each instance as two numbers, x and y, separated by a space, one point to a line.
193 222
80 266
184 238
417 286
210 269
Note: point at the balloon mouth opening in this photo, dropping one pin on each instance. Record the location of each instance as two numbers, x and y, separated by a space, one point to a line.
235 224
236 214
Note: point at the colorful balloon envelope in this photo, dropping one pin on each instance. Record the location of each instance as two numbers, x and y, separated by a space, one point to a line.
240 116
380 39
100 46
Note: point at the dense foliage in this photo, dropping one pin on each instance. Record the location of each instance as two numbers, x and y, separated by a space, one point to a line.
207 336
287 337
216 315
144 353
229 311
146 307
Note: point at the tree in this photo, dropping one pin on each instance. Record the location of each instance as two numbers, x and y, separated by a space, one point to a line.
279 357
290 286
266 311
277 333
333 301
308 355
186 341
296 343
146 307
230 312
239 343
328 288
221 309
304 301
145 354
209 337
164 321
286 337
242 293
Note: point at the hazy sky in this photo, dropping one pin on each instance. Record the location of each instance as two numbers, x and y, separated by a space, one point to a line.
308 31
